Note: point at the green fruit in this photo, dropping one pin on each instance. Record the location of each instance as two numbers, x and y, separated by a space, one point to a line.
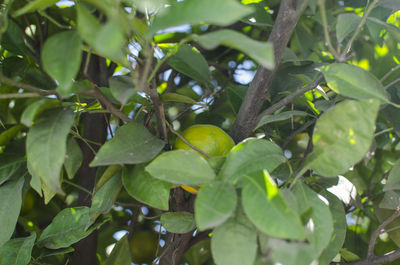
143 246
208 138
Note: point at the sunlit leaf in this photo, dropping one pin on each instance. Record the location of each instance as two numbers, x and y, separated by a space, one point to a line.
342 136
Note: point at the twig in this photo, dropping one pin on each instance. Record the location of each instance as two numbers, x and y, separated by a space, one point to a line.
186 142
376 233
328 42
78 186
19 95
11 82
104 100
392 83
289 99
159 111
397 67
297 131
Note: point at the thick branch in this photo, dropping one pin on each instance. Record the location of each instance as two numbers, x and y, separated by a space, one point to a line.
258 91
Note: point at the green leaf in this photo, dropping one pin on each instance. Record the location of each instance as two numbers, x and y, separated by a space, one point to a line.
73 158
339 229
355 82
221 12
7 135
106 39
35 109
199 253
292 253
392 29
191 63
145 188
214 204
10 205
393 180
346 24
280 117
391 200
250 156
46 146
17 251
122 88
394 4
181 167
120 255
174 97
261 52
178 222
34 6
132 144
320 225
342 136
61 58
68 227
262 201
234 243
10 165
236 94
105 197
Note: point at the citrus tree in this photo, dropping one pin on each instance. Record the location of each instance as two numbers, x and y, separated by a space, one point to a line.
199 132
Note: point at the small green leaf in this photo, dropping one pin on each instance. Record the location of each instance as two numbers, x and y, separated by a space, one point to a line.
355 82
214 204
120 255
46 146
10 205
261 52
17 251
178 222
190 63
320 224
280 117
145 188
236 94
73 158
249 156
34 6
35 109
234 243
393 180
181 167
221 12
346 24
174 97
63 66
7 135
10 165
121 87
262 201
342 136
132 144
68 227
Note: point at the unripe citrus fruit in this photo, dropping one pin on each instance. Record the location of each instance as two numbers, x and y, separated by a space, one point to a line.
208 138
143 246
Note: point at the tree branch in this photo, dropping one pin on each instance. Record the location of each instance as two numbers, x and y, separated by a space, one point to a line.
258 90
24 86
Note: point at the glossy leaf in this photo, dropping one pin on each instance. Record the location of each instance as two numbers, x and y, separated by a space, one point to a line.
221 12
17 251
145 188
73 158
342 136
234 243
355 82
214 204
261 52
68 227
280 117
120 255
191 63
181 167
10 205
46 146
267 209
132 144
178 222
35 109
63 66
320 224
250 156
